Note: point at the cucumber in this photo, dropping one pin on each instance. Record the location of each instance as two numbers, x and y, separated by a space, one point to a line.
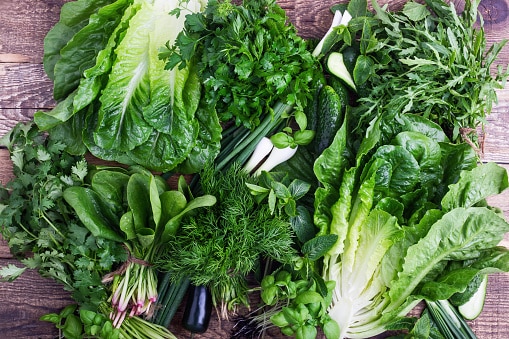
462 297
474 306
330 114
350 55
337 67
344 94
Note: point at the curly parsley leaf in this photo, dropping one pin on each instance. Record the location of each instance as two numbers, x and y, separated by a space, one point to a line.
249 58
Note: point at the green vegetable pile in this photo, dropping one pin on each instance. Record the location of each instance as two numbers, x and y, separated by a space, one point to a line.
337 181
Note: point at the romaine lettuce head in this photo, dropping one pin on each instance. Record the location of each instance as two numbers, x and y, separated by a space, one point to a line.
108 74
407 230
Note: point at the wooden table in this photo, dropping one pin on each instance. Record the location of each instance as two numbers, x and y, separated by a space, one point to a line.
24 88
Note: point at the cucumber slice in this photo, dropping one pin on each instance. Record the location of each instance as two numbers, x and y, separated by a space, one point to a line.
474 306
337 67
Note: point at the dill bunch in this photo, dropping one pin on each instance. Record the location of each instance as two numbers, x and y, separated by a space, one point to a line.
222 244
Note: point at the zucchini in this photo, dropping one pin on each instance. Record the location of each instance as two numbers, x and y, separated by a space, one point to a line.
474 306
337 67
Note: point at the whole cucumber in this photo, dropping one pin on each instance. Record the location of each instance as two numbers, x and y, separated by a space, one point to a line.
330 113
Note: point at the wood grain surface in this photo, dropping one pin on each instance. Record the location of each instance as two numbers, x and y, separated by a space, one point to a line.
24 89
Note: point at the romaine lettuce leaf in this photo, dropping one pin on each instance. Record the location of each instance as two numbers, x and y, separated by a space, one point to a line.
74 16
80 52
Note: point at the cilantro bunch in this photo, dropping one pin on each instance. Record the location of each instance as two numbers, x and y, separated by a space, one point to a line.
35 219
249 58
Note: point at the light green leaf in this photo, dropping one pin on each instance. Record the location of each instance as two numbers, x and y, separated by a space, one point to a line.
476 185
415 11
155 201
11 272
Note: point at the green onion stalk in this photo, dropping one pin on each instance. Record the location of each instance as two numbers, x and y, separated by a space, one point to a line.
134 288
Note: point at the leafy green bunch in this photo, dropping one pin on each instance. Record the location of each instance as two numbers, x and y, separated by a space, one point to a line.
115 99
36 219
224 243
140 211
429 59
249 58
411 218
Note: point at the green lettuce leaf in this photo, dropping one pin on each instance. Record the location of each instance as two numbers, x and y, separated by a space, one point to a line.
115 97
74 16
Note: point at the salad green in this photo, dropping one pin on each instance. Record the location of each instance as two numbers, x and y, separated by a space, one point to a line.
116 99
399 240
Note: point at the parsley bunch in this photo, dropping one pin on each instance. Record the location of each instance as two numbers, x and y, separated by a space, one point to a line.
35 219
249 58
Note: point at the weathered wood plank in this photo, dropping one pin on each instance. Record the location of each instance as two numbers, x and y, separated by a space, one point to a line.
24 88
23 27
25 300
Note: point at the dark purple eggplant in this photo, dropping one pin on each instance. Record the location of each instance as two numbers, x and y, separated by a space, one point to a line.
198 309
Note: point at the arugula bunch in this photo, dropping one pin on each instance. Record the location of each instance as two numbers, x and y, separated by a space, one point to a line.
429 59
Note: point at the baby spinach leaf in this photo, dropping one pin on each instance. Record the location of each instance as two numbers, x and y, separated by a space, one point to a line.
93 212
171 227
110 185
138 198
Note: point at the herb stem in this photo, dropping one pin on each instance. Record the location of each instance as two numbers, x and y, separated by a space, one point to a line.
43 216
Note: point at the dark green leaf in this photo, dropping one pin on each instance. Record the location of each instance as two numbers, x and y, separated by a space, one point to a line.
318 246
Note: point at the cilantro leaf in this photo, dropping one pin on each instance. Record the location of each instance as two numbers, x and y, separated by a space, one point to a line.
11 272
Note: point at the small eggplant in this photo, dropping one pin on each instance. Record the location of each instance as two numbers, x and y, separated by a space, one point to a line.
198 309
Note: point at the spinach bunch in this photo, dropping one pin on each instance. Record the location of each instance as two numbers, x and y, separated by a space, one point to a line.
139 210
